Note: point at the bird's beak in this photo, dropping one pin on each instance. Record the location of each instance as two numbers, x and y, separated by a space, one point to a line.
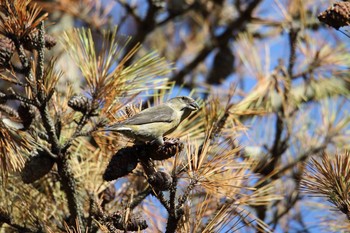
193 106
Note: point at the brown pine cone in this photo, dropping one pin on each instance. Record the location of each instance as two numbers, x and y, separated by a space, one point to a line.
7 48
337 15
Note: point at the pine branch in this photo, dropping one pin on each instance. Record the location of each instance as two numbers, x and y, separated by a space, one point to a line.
40 64
293 35
70 188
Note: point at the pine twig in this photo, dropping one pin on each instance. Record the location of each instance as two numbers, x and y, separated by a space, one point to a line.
40 64
140 197
70 188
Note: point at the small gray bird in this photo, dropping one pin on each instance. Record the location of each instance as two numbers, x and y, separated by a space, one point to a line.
155 122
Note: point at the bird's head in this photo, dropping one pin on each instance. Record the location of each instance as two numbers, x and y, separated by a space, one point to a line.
183 103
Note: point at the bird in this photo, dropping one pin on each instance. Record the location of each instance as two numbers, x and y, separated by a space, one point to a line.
151 124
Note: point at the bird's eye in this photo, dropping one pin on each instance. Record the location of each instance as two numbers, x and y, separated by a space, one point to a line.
183 98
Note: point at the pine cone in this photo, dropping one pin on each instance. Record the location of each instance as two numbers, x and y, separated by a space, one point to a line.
166 151
222 66
7 48
121 164
37 166
50 41
160 181
337 15
82 104
31 42
27 114
135 223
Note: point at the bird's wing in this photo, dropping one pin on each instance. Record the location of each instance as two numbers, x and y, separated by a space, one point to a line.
160 113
